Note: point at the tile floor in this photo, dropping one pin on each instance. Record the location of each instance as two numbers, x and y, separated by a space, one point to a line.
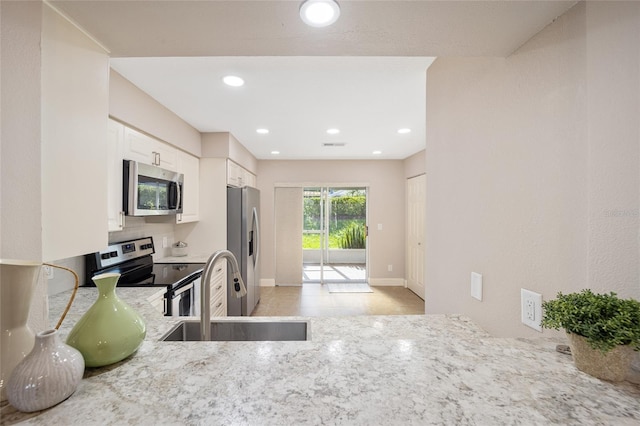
334 273
314 300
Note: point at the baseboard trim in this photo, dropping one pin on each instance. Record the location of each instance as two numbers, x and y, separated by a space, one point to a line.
375 282
391 282
267 282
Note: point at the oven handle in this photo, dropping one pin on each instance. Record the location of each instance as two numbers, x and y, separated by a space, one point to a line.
182 289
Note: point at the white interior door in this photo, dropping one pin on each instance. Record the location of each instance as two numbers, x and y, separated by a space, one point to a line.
416 199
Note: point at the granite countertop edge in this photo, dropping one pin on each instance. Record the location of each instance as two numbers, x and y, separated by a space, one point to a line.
414 369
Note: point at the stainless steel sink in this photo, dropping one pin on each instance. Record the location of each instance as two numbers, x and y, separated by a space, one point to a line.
189 331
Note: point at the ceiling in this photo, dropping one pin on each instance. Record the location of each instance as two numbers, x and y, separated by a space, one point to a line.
364 75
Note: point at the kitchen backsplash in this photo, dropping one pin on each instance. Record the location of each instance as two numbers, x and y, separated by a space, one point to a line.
63 280
159 228
135 227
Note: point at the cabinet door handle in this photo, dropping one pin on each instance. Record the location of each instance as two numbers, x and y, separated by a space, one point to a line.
219 287
218 305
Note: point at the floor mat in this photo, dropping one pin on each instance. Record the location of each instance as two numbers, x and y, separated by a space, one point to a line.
349 288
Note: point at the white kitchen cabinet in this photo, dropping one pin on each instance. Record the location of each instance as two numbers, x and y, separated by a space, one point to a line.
74 90
115 144
189 165
145 149
239 176
248 178
157 300
218 283
233 173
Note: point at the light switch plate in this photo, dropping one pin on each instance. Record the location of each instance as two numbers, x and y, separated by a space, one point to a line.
476 285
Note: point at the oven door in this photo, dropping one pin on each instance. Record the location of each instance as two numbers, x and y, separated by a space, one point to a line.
183 301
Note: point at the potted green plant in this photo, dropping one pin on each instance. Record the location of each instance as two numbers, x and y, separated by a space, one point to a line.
603 330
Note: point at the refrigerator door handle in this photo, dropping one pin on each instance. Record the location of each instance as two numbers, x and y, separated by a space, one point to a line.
256 239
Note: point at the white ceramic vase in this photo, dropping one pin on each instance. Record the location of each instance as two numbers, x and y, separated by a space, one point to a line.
18 279
47 376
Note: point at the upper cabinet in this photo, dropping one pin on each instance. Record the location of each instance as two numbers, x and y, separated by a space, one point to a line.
125 143
74 108
239 176
189 166
115 152
145 149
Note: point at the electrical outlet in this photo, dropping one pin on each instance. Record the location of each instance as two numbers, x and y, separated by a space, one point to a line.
390 268
48 272
531 309
165 242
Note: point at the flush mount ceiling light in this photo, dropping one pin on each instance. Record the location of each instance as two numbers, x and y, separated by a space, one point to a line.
377 152
319 13
404 131
333 131
262 131
275 152
233 81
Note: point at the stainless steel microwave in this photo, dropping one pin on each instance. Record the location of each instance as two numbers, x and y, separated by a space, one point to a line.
150 191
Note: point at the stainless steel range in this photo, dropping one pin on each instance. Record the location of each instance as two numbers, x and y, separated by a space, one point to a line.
134 262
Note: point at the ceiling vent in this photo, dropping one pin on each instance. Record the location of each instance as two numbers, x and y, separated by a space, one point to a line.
334 144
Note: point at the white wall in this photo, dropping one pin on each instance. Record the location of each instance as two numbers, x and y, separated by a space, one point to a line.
415 165
210 232
386 182
613 127
132 106
225 145
20 134
527 157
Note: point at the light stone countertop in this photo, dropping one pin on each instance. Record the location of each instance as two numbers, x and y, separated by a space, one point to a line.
369 370
190 258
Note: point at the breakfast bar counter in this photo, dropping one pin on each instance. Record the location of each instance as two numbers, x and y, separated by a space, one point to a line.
368 370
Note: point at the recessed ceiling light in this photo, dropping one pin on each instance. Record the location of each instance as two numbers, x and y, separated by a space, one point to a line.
377 152
333 131
319 13
233 81
404 131
262 131
275 152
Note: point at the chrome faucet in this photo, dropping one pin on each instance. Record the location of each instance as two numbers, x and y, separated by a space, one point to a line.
205 289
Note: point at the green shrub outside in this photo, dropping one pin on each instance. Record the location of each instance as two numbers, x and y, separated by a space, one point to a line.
347 213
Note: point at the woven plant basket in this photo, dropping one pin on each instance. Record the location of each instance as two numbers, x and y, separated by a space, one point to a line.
612 366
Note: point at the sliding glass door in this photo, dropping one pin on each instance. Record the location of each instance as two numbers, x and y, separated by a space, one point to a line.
334 235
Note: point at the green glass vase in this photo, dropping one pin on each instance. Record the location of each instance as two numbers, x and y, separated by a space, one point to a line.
110 330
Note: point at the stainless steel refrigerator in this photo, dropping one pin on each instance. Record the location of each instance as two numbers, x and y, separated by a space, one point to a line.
243 240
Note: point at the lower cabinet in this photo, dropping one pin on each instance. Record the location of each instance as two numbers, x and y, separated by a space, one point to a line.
157 300
218 283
